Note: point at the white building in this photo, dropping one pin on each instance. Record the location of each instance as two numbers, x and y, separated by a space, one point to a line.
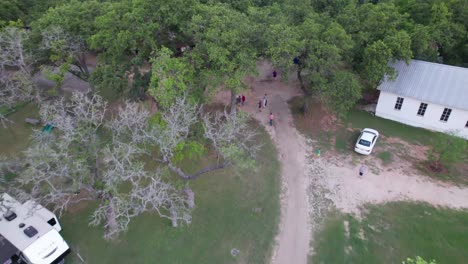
428 95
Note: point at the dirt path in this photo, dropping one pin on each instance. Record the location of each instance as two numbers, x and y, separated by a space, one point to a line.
349 191
294 234
312 185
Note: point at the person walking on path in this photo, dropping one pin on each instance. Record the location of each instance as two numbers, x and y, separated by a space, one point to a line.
265 101
271 119
259 105
238 100
243 100
362 170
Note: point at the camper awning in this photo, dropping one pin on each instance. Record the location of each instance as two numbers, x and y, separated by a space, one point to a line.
7 250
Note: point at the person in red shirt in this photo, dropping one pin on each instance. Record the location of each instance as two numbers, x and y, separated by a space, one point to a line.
271 118
243 100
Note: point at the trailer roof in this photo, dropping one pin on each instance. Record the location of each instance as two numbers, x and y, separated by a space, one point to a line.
12 231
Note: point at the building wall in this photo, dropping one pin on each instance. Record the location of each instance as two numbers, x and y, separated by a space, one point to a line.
430 120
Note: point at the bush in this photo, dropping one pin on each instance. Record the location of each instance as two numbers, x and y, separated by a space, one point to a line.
446 150
418 260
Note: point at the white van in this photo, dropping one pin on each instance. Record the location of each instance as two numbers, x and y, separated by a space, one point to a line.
29 233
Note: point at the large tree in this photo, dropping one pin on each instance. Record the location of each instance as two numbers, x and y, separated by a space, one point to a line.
15 69
380 37
223 53
107 159
317 49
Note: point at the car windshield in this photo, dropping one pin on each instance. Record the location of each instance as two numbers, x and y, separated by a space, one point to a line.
364 143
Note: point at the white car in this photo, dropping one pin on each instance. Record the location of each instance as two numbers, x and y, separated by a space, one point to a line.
366 141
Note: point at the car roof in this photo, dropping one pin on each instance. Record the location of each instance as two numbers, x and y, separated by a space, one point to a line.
371 130
366 135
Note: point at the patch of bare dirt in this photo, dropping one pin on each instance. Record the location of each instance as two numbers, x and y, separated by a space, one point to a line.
316 119
418 152
77 205
350 192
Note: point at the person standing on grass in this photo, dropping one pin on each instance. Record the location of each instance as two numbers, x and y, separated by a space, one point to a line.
265 101
271 118
243 100
259 105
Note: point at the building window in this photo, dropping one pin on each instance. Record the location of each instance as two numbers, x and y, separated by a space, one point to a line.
399 103
422 109
446 114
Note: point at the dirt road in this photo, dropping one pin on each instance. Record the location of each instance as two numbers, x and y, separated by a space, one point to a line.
294 234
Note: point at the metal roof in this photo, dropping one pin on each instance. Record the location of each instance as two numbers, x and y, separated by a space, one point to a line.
430 82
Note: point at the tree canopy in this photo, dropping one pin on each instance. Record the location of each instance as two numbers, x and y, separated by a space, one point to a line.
176 54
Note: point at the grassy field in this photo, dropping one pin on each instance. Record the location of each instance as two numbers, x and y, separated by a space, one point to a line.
392 233
233 211
361 119
15 137
357 120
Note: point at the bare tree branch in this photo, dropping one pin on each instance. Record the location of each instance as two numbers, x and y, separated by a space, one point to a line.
66 47
15 76
73 158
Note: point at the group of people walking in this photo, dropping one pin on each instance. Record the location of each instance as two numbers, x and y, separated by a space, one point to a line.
240 100
262 102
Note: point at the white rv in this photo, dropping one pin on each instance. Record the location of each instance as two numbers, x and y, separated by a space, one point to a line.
29 233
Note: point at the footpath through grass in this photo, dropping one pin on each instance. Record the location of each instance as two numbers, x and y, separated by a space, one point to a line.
232 211
393 232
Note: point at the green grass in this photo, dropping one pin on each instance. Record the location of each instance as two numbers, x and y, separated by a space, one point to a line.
345 140
357 120
224 218
361 119
15 137
393 232
386 157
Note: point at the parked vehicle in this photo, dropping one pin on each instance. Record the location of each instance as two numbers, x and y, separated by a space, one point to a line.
29 234
366 141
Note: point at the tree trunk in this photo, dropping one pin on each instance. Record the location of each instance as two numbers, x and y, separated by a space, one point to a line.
233 102
173 216
190 197
83 66
112 225
307 93
194 176
299 77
